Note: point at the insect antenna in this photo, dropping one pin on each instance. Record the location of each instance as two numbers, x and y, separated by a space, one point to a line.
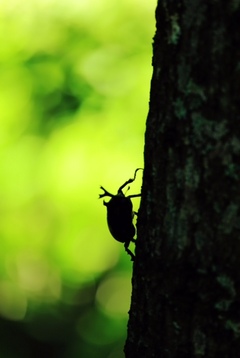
106 193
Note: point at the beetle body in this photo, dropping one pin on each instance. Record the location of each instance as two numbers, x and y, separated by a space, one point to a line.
120 215
119 218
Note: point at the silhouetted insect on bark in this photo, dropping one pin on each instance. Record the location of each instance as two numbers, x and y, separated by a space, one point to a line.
120 215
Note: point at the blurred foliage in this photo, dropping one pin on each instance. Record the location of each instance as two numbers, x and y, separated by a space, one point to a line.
74 87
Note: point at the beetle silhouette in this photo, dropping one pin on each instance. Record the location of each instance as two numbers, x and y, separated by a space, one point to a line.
120 215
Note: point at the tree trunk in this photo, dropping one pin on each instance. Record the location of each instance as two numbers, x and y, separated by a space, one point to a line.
186 276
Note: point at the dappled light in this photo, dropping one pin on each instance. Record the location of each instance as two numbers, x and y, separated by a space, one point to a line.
74 91
113 294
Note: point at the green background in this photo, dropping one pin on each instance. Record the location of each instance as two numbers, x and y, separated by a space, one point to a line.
74 92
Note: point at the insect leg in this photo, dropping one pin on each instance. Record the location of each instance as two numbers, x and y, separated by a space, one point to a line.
129 181
129 251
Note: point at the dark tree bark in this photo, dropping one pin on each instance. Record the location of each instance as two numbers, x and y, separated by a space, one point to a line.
186 276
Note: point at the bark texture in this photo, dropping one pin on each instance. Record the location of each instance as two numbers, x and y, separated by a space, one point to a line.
186 276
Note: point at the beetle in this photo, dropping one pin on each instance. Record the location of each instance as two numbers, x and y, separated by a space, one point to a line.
120 214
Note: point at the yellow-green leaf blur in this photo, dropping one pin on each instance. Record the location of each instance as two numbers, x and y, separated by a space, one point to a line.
74 91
